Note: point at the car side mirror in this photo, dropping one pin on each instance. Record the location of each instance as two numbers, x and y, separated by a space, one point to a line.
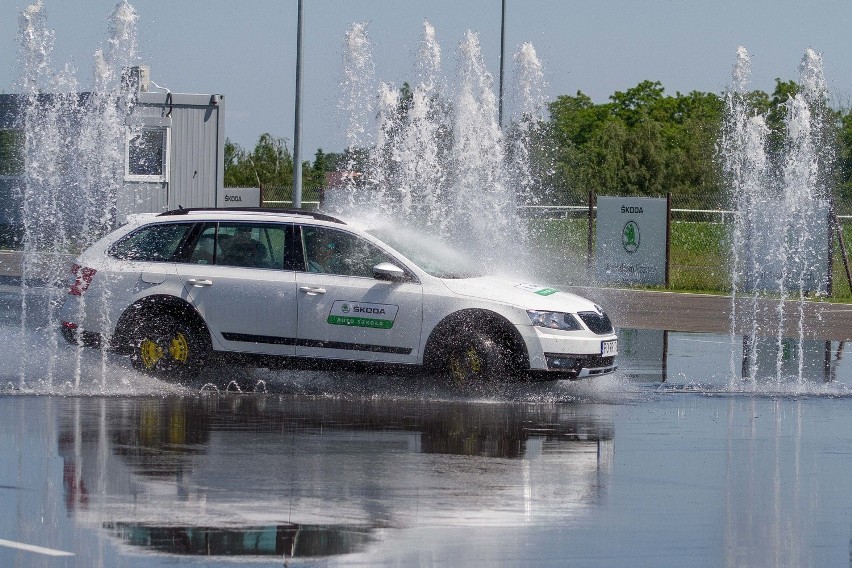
388 271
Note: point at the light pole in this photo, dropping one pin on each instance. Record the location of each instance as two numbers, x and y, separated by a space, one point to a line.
297 129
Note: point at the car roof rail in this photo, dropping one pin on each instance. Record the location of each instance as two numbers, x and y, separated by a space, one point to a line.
270 210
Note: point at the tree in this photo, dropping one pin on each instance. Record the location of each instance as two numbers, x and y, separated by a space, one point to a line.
315 174
641 142
844 162
269 164
641 103
776 116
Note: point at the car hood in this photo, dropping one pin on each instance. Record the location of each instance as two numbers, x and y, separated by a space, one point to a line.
518 293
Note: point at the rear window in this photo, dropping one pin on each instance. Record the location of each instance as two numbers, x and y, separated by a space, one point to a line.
152 243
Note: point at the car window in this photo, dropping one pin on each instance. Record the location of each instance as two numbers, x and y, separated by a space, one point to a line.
338 252
432 255
153 243
204 251
249 245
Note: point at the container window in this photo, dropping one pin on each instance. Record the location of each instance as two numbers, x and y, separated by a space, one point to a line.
147 154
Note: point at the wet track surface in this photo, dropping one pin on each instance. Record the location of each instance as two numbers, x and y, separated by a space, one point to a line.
666 463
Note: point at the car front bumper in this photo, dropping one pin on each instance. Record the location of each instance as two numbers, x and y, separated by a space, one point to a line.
574 355
580 366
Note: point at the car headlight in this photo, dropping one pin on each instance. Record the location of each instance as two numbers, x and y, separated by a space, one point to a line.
554 320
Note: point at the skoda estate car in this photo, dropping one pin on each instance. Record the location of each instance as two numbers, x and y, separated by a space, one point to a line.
297 287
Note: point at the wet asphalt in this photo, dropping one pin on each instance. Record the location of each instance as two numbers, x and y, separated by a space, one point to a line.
676 311
673 461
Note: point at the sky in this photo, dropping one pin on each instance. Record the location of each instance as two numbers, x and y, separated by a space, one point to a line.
246 49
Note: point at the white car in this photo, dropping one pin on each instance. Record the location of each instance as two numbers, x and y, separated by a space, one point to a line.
172 289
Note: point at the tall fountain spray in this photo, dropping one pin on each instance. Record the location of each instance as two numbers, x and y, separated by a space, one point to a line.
102 128
743 149
408 170
480 185
73 148
780 236
529 105
438 159
356 106
435 158
44 117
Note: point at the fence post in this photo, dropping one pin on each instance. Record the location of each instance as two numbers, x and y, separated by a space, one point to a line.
842 242
668 234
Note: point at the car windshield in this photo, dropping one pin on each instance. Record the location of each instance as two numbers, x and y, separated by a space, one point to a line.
432 255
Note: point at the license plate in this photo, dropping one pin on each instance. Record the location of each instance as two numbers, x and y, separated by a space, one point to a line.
609 348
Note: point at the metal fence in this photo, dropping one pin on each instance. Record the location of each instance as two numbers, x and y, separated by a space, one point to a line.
699 242
722 216
576 211
699 246
282 196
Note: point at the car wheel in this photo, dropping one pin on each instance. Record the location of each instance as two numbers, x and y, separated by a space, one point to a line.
166 346
476 359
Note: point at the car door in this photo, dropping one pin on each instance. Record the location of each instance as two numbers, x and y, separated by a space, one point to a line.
344 312
141 263
240 278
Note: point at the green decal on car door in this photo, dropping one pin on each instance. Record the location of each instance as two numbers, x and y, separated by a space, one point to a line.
359 314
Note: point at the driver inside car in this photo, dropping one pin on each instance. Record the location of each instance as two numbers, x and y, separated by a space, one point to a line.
321 252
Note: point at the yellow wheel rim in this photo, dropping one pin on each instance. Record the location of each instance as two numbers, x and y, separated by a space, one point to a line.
467 364
150 352
455 371
179 348
474 361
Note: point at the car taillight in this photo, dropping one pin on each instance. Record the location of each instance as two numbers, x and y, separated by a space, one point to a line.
82 278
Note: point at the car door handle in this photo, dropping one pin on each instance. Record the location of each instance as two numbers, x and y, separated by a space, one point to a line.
311 291
199 283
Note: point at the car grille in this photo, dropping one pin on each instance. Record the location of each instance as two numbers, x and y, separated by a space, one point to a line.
597 322
594 362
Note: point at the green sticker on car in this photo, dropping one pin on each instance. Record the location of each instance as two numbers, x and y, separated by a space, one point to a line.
360 314
540 290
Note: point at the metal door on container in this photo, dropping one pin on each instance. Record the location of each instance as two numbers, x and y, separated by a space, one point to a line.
238 278
346 313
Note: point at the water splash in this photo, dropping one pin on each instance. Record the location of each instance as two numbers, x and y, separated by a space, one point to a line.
483 210
439 160
356 106
529 104
782 204
429 60
37 192
36 41
743 148
103 134
74 152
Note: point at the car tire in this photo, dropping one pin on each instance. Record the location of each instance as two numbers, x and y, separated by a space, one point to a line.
168 347
476 359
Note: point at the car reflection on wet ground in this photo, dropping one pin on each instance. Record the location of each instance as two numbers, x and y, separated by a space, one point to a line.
667 463
288 476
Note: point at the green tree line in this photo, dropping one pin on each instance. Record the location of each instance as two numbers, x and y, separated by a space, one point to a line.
270 165
641 142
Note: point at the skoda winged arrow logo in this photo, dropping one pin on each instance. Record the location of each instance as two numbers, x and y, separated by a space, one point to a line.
344 308
630 236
